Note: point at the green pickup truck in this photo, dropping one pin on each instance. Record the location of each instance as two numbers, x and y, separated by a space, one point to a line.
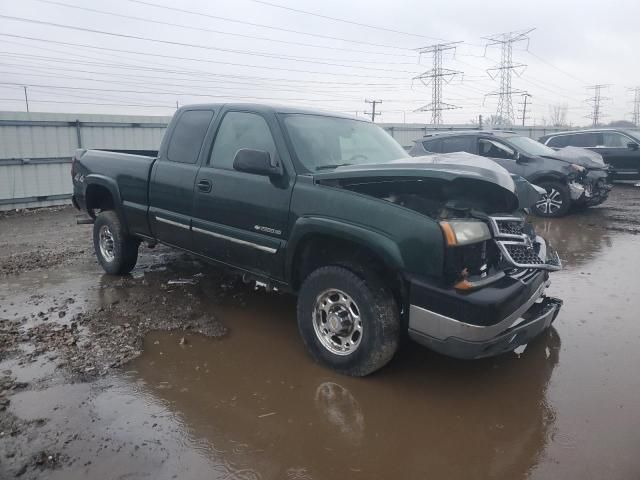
374 243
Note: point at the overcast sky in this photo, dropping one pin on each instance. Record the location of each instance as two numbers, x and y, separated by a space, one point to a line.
275 55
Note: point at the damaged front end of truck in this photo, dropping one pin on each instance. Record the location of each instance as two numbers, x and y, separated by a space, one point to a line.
490 297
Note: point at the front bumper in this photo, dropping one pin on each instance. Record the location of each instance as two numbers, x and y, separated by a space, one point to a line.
458 339
496 317
591 190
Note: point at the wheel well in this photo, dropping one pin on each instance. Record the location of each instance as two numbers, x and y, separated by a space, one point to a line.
98 197
322 250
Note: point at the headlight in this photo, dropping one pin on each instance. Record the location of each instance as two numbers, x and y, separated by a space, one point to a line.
464 232
577 168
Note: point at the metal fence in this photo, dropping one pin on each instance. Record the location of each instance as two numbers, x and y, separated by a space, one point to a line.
36 150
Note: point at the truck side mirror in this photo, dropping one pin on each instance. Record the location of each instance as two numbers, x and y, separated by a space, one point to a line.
632 146
258 162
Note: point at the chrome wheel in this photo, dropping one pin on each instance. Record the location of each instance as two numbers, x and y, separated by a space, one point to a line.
337 322
107 244
550 202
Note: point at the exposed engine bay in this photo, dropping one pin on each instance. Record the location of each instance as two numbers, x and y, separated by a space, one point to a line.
512 248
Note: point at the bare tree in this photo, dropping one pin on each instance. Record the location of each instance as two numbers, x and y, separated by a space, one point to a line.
558 114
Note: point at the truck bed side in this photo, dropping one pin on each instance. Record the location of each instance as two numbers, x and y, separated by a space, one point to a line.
103 179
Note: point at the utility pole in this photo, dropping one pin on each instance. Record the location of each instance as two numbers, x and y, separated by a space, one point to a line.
373 112
596 101
177 105
504 70
525 96
636 105
436 77
26 98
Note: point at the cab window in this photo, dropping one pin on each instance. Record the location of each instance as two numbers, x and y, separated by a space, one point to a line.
493 149
240 130
458 144
432 146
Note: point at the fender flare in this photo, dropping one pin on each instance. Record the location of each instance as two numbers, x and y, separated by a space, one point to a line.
111 185
377 242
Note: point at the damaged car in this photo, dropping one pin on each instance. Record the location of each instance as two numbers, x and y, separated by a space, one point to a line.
373 242
572 177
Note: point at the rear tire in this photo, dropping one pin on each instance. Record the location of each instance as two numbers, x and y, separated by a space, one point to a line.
555 203
347 323
116 251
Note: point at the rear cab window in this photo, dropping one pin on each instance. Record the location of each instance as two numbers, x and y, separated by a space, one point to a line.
188 134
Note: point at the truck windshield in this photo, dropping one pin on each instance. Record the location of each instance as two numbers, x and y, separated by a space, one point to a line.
329 142
530 147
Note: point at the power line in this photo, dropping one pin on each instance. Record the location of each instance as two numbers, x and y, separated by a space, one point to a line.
350 22
160 92
242 22
87 103
596 101
505 70
204 60
555 67
373 112
194 45
202 29
436 77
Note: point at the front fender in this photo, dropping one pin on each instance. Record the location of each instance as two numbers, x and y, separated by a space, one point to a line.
377 242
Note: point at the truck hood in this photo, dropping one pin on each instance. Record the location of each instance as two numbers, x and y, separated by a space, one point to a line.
463 169
579 156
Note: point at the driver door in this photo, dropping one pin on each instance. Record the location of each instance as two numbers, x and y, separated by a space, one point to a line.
241 218
502 154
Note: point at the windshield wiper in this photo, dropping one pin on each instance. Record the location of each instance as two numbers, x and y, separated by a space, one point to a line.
335 165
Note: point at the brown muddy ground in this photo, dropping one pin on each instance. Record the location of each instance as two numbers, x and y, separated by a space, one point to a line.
143 377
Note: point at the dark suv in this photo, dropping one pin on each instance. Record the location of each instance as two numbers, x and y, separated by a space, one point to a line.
619 148
571 176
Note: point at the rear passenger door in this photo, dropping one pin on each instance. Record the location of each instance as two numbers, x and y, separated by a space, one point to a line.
614 148
173 177
241 218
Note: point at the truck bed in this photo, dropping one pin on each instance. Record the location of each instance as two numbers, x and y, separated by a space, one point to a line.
125 173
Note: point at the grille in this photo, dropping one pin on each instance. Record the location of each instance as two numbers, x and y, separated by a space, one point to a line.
523 255
510 227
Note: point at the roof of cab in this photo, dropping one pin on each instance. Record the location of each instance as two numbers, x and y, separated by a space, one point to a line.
270 108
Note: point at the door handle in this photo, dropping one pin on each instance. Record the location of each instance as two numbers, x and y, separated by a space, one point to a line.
204 186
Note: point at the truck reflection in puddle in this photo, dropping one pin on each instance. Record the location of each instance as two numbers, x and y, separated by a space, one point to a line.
254 401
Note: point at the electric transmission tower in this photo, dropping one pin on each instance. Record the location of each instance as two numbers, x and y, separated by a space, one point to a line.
504 71
373 112
436 77
636 106
596 103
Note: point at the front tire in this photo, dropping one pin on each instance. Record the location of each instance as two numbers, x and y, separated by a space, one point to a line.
116 251
347 323
555 203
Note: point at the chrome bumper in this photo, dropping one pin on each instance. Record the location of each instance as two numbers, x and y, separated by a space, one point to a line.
462 340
